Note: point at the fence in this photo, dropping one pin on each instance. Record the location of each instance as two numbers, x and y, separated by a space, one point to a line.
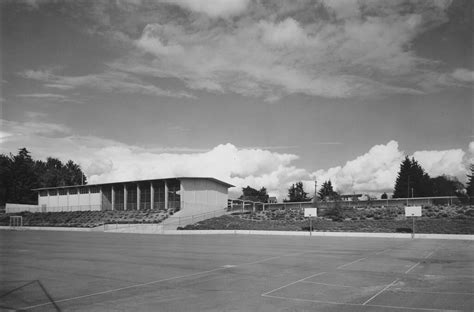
386 203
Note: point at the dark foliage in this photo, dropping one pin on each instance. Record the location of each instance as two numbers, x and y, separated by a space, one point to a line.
327 192
252 194
19 174
296 193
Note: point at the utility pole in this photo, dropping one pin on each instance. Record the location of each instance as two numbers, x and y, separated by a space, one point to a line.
315 190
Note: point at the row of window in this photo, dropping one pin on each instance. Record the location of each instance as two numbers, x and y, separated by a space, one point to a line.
158 191
72 191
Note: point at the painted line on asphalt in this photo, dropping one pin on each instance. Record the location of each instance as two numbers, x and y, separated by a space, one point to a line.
159 281
325 284
383 251
412 267
418 263
356 304
347 264
377 294
432 292
429 255
122 288
300 280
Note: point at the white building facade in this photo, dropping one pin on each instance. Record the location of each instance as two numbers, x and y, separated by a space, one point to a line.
191 195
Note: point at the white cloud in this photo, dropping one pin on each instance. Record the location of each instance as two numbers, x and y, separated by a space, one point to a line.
463 75
109 81
43 96
365 51
287 32
471 153
437 163
213 8
35 115
375 171
107 160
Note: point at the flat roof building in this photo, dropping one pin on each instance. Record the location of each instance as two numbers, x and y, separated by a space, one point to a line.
191 195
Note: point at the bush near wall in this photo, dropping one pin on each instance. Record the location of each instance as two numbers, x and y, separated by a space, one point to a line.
86 218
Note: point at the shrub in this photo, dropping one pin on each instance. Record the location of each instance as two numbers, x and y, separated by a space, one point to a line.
403 230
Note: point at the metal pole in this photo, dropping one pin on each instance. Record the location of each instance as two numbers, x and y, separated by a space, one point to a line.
408 189
310 226
413 227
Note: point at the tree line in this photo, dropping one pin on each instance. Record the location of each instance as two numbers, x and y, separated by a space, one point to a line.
412 181
20 173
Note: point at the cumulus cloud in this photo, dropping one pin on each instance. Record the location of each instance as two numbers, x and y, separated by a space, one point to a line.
437 163
463 75
106 160
376 170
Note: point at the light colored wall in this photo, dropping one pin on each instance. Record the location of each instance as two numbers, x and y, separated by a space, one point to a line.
14 208
71 202
201 195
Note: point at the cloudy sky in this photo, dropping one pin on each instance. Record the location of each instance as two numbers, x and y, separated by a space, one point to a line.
253 92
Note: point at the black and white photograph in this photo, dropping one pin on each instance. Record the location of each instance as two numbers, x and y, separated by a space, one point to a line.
237 155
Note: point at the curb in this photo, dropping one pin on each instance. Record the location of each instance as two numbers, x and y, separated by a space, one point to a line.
249 232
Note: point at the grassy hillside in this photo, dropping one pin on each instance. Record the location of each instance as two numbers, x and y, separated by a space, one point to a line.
442 220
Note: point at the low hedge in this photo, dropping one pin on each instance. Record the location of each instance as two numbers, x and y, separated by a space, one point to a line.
86 218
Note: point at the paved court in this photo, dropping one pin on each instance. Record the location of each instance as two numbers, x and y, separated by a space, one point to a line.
66 271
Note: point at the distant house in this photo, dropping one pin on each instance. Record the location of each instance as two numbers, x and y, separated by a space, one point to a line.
272 200
351 197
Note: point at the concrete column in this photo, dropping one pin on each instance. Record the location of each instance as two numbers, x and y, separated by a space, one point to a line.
124 197
101 198
138 196
113 198
152 195
166 194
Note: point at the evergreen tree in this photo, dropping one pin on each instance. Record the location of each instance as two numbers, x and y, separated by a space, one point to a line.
19 174
447 186
296 193
327 192
470 183
421 182
5 178
23 178
412 180
403 179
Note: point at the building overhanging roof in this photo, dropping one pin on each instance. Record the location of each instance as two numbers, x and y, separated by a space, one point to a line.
228 185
